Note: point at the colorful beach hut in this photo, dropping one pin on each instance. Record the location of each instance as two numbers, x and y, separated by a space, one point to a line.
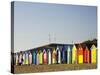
49 56
17 58
45 59
37 58
24 58
34 56
41 57
68 55
54 56
20 58
74 55
66 48
58 55
86 55
27 58
30 58
62 54
93 54
80 55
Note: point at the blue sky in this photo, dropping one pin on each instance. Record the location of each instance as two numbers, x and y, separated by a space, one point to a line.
33 22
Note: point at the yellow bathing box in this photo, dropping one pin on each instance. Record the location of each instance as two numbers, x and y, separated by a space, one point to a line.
93 54
41 57
54 56
74 55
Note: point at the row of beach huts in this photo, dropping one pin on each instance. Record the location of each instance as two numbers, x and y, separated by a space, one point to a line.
57 54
